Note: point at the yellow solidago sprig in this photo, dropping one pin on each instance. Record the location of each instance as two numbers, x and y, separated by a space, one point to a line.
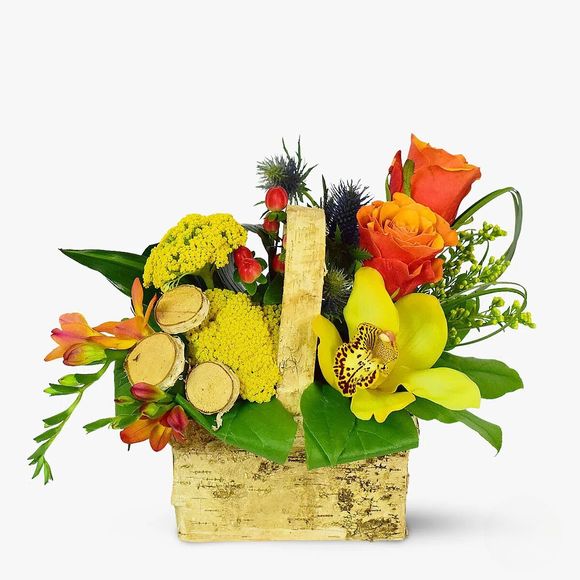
242 336
196 245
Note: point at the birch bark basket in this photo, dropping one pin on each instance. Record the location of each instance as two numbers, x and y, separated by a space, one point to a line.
222 494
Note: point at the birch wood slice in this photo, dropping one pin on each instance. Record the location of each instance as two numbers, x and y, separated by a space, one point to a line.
212 387
181 309
157 360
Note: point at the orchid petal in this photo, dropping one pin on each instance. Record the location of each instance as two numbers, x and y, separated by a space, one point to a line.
448 387
422 331
370 302
329 341
368 402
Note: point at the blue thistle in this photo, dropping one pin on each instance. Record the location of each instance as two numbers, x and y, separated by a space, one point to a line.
341 205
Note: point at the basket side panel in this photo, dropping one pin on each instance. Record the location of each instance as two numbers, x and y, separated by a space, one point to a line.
222 494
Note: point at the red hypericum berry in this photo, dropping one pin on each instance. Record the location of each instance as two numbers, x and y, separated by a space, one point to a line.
271 226
284 241
249 270
242 253
277 264
276 198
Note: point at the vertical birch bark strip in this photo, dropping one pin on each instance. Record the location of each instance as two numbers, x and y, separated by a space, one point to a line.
303 281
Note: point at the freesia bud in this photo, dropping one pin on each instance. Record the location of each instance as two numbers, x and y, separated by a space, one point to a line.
176 419
146 392
84 354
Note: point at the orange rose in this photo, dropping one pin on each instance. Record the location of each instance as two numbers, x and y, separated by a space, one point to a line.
440 180
404 238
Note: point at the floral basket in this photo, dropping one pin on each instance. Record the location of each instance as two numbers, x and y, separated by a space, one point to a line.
291 389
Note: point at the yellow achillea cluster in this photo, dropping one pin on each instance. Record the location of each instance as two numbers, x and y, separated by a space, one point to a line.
242 336
195 245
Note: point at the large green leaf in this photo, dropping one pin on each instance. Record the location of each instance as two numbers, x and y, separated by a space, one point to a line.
328 422
493 377
266 429
427 410
334 435
120 268
123 389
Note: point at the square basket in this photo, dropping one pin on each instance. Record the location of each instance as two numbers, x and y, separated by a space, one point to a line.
221 493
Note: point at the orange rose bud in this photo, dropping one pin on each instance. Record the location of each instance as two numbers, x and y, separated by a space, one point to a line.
404 238
396 174
440 180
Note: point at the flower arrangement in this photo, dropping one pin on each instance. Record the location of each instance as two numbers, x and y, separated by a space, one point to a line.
407 282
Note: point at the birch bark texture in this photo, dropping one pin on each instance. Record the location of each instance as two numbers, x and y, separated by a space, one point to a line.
221 493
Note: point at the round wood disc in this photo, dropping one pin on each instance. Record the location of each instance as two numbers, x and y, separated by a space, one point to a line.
155 360
212 387
181 309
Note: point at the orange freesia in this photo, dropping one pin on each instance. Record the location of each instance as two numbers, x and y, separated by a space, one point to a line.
128 333
404 238
158 431
80 344
74 333
440 180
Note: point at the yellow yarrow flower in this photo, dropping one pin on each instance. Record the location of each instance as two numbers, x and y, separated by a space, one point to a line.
242 336
196 245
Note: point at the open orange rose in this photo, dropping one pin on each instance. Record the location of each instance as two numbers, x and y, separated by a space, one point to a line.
404 238
440 180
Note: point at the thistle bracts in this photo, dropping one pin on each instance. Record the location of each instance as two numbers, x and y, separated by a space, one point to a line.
287 171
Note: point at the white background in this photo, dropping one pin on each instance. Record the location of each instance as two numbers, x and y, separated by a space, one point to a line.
117 118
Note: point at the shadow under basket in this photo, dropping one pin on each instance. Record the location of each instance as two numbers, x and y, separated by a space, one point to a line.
222 493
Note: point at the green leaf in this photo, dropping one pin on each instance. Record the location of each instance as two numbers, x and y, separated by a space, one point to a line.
120 268
493 377
69 381
274 291
122 421
427 410
98 424
46 434
56 390
56 419
122 389
408 170
328 422
334 435
266 429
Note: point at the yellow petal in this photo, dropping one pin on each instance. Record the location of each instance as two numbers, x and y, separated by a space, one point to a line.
329 341
370 302
448 387
422 331
368 402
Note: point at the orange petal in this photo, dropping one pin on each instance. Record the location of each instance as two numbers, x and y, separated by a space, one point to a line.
138 431
159 437
137 297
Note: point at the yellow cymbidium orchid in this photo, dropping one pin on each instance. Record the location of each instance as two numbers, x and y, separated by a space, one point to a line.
390 345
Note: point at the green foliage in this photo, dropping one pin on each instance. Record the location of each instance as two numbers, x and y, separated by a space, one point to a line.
120 268
273 294
334 435
72 384
493 377
288 171
427 410
470 292
266 429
